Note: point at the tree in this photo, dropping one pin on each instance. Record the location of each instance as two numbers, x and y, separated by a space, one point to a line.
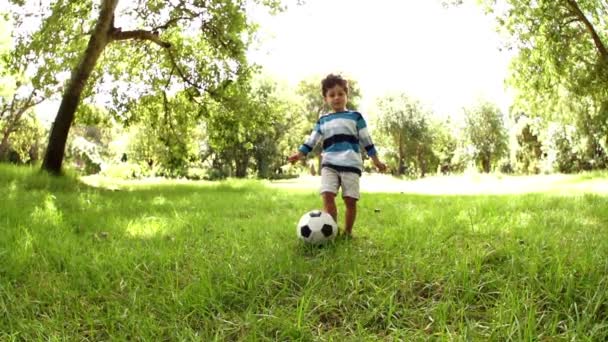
222 28
166 132
273 144
407 124
527 149
249 128
16 98
13 112
26 140
561 70
444 145
485 131
6 78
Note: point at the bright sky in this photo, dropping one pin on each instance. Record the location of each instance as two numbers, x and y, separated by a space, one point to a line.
448 58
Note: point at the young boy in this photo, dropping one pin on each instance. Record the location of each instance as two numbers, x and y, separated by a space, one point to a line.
342 132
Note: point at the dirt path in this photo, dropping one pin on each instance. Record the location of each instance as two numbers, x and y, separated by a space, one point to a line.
466 184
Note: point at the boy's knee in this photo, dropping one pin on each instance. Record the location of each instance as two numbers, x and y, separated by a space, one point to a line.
328 196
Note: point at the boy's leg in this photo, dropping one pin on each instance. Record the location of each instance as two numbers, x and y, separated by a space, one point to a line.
330 182
351 214
329 204
350 194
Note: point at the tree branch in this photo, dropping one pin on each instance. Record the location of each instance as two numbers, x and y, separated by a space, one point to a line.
167 111
117 34
7 107
15 115
182 6
182 75
171 22
602 50
571 19
169 78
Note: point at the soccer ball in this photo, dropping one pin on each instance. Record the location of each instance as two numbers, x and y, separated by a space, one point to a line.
316 227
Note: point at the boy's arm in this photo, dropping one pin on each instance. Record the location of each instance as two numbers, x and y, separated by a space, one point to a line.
296 156
308 145
378 164
368 144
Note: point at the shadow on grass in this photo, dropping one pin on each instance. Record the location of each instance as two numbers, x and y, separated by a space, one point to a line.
231 207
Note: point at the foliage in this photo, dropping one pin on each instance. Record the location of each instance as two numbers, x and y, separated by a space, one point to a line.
272 148
563 149
26 142
87 155
172 136
165 135
202 43
558 48
21 134
46 42
527 148
444 145
246 130
561 69
88 147
409 129
486 133
251 127
7 79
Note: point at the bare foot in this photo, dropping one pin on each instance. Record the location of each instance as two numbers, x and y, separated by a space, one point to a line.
347 235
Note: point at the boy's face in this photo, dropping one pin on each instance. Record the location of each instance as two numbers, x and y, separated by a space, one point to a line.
336 98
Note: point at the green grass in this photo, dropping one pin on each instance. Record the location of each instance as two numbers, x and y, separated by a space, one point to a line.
220 261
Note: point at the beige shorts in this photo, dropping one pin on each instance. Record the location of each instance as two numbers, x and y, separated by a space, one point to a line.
332 180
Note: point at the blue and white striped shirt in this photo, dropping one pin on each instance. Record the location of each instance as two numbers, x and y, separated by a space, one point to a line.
342 134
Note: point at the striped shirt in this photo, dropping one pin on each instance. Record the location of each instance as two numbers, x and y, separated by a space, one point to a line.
342 134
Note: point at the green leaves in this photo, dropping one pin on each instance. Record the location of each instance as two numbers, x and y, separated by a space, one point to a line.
56 44
485 130
7 79
557 51
560 72
408 127
208 43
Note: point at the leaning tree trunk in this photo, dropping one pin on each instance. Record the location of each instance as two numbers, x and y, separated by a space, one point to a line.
65 115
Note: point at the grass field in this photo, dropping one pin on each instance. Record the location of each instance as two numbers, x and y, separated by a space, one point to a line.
220 261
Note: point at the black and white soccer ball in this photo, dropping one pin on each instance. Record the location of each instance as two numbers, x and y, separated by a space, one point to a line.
317 227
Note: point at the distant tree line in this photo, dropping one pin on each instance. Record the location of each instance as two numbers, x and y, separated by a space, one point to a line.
192 106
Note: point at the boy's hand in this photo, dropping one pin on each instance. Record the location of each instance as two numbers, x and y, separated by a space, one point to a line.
379 165
295 157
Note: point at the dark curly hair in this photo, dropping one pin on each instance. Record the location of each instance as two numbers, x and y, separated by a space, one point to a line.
331 81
